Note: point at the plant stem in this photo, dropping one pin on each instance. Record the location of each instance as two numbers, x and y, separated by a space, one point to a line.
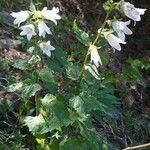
35 72
137 147
103 25
83 68
95 41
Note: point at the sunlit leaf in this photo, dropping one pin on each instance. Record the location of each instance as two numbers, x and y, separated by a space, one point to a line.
15 87
73 71
82 36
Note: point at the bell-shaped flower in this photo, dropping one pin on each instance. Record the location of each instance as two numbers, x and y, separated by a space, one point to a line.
46 47
20 16
114 41
43 29
131 11
51 14
95 58
121 29
28 30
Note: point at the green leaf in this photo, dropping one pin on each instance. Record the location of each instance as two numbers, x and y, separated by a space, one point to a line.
78 104
47 77
131 73
15 87
46 101
104 57
54 144
93 70
30 90
34 59
88 132
36 124
58 116
32 6
5 106
4 65
74 144
73 71
85 103
108 5
82 36
57 64
21 64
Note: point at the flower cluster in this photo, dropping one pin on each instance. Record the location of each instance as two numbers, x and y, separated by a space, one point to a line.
36 25
120 28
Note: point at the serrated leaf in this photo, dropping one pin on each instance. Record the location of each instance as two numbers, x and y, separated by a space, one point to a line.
85 103
36 124
131 73
58 116
46 101
15 87
48 78
78 104
87 131
30 90
73 71
21 64
82 36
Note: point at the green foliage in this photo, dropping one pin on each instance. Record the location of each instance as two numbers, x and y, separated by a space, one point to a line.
27 88
88 132
61 114
74 144
21 64
11 141
82 36
108 5
134 70
15 87
85 103
5 106
46 75
73 71
54 115
30 89
36 124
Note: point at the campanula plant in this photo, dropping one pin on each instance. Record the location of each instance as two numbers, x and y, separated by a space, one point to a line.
66 104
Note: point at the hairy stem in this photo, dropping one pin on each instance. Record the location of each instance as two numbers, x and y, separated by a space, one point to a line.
95 41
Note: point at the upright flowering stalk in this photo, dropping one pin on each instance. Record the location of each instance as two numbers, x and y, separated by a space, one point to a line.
114 39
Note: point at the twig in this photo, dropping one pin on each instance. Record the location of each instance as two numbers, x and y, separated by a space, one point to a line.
137 147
